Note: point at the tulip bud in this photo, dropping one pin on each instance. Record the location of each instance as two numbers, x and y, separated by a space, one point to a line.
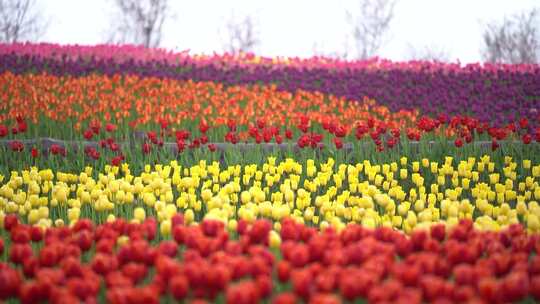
139 214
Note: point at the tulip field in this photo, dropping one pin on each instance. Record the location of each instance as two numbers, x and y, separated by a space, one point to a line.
134 175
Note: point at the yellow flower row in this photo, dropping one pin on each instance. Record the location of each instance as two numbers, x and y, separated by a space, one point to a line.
404 194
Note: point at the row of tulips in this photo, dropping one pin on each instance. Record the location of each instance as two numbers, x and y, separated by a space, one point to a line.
497 93
405 195
139 54
110 109
123 262
87 103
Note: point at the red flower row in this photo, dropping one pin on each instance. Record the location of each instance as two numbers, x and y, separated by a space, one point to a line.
462 128
202 262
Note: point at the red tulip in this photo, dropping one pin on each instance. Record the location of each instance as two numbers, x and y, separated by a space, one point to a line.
179 287
146 148
152 136
21 234
267 136
22 127
340 131
168 248
285 298
303 127
79 287
48 256
259 231
10 280
494 145
204 139
349 287
231 124
261 123
407 274
95 126
33 292
211 227
222 277
490 289
325 282
283 271
114 147
377 294
116 161
464 274
135 271
36 234
4 131
88 134
34 152
105 246
523 123
20 252
84 240
16 146
71 267
288 134
61 295
289 231
534 287
438 232
534 265
203 126
299 255
409 296
302 283
30 266
264 285
338 142
109 127
323 298
147 294
57 150
432 287
245 292
463 294
515 286
117 279
103 263
177 219
418 237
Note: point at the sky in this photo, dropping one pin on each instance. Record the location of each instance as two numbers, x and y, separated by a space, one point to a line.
295 28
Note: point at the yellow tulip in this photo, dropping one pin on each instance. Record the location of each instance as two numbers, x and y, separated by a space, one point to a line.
274 239
139 214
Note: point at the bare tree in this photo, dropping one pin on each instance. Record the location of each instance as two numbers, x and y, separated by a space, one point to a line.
317 50
515 40
140 22
241 35
370 25
428 53
20 20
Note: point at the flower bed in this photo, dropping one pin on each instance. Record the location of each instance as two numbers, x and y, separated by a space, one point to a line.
130 175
